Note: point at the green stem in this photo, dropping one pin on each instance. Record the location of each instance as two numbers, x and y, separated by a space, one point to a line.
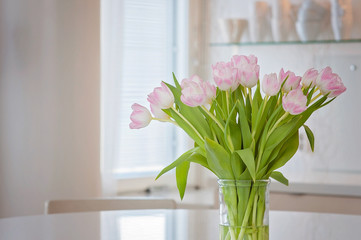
250 96
262 110
254 216
213 117
233 235
227 103
193 128
314 98
247 214
277 123
269 133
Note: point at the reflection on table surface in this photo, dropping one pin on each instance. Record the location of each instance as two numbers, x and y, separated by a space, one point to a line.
172 225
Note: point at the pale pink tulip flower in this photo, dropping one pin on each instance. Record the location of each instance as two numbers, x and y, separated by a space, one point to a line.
271 84
160 98
140 117
193 93
247 70
239 60
330 83
158 112
211 92
225 76
309 78
196 92
294 102
283 75
292 81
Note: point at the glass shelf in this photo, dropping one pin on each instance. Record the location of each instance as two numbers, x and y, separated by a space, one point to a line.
225 44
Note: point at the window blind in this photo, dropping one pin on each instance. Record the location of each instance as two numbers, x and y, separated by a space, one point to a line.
138 56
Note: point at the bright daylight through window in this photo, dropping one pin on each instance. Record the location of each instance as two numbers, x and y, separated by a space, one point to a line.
139 50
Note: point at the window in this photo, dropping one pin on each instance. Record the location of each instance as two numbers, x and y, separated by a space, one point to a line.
140 48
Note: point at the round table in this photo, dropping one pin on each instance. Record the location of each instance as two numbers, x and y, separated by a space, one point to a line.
180 224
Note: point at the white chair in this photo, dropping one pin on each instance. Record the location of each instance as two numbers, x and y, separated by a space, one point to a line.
107 204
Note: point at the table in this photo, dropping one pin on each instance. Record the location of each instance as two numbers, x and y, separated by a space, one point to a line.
180 224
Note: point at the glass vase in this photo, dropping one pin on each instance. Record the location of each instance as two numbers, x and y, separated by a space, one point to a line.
244 209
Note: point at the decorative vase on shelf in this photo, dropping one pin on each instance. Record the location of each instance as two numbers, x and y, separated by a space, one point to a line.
258 24
232 28
281 21
244 209
310 20
341 19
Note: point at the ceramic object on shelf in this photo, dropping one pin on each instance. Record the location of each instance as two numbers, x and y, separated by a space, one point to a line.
311 11
292 34
281 21
258 21
309 21
232 28
308 30
341 19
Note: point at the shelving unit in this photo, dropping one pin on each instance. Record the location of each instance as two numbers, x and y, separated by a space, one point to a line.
225 44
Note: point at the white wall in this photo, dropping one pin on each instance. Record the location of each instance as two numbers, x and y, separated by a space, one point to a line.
49 102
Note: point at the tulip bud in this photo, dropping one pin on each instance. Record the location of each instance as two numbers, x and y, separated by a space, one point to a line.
140 117
330 83
294 102
196 92
309 78
158 112
225 76
247 70
211 92
292 81
271 84
160 98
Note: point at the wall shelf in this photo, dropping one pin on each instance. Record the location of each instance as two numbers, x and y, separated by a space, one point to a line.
239 44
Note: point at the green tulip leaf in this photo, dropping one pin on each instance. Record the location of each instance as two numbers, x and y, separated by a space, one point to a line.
248 159
310 136
236 164
184 157
287 151
218 159
232 133
181 177
279 177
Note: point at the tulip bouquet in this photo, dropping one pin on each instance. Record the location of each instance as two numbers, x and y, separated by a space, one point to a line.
238 132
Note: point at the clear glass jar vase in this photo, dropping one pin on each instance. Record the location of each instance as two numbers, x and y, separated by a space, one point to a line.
244 209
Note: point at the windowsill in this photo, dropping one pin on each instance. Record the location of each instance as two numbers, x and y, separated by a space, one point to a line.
193 197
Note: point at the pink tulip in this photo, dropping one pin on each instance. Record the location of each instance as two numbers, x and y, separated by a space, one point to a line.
294 102
283 75
292 81
196 92
309 78
225 76
160 98
158 112
211 92
271 84
330 83
247 70
140 117
239 60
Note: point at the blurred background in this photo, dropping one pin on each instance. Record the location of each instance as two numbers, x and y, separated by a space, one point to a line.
70 70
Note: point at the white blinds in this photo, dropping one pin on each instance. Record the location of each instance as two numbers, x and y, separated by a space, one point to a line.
137 54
